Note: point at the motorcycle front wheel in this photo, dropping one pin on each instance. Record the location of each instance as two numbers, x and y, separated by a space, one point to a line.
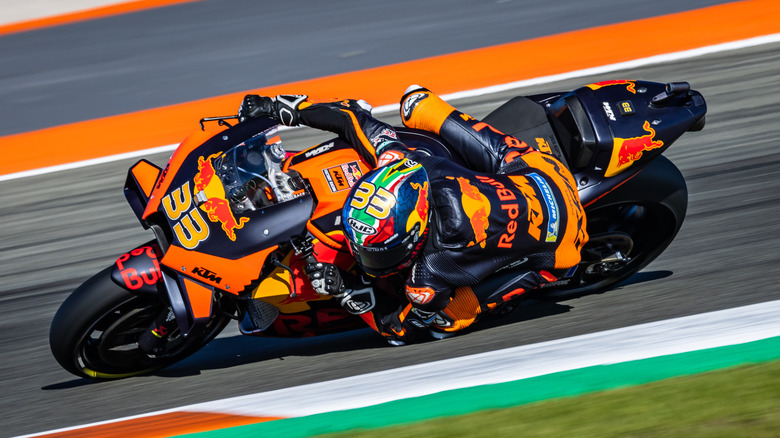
95 332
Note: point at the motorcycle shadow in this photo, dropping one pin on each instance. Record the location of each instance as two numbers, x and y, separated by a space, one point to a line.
236 350
232 349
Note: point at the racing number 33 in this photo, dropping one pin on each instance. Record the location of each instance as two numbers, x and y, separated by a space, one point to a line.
379 201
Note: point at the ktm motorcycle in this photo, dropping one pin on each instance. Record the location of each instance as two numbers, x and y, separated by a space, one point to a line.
234 218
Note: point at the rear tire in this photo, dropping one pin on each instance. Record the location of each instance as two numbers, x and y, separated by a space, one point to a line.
95 332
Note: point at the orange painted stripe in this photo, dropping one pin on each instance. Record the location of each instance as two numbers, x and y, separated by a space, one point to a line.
89 14
384 85
170 424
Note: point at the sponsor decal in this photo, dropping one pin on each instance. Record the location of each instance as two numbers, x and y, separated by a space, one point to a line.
543 145
608 111
319 149
630 85
535 215
361 227
627 150
420 213
162 176
343 176
477 209
206 274
131 276
208 187
512 209
553 214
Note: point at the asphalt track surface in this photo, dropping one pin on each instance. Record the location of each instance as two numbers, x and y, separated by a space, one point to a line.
189 51
62 227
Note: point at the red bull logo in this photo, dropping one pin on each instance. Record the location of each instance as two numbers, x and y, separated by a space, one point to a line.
630 85
216 206
420 213
477 209
627 150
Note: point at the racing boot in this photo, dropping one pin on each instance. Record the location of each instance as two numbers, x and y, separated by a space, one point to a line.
421 109
406 325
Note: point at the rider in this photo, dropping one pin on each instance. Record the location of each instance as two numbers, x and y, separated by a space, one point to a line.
443 225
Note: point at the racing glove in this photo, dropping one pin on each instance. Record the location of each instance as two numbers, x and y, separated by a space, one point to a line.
325 278
283 107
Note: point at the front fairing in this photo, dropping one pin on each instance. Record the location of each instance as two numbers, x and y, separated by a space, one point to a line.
207 239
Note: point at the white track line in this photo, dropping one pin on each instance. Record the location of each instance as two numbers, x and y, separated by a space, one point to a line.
669 57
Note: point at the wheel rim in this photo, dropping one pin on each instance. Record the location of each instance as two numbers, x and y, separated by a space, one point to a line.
109 347
633 234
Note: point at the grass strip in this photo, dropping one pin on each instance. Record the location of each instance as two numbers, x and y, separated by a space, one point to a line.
518 393
736 402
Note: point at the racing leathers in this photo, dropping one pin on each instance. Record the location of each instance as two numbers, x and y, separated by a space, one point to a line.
508 207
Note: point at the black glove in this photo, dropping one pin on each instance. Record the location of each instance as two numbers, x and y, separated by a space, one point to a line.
325 278
283 107
257 106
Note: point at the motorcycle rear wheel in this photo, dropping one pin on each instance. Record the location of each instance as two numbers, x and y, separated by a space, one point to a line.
95 332
639 221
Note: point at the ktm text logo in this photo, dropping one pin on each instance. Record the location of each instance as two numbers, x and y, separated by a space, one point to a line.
208 275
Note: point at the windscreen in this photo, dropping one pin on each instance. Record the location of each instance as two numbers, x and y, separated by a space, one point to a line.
248 170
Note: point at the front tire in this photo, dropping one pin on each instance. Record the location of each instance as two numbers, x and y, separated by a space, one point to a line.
95 332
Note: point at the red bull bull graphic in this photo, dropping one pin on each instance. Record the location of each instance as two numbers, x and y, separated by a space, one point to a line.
627 150
343 176
420 212
477 209
630 85
211 193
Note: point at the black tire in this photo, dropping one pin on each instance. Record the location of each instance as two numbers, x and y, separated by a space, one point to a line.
640 219
94 333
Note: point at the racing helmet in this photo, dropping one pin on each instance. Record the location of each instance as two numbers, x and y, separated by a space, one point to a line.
385 217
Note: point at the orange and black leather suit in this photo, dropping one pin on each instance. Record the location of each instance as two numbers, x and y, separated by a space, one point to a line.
510 206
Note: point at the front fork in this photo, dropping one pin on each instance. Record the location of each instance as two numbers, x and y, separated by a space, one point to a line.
139 271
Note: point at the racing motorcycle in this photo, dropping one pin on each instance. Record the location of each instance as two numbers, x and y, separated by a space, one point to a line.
235 216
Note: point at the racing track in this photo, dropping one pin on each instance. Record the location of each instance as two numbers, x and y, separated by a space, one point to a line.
62 227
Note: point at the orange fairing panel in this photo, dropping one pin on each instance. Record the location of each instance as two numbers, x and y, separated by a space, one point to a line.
331 175
230 275
145 174
175 162
199 297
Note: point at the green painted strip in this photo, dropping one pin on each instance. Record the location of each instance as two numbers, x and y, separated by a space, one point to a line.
503 395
